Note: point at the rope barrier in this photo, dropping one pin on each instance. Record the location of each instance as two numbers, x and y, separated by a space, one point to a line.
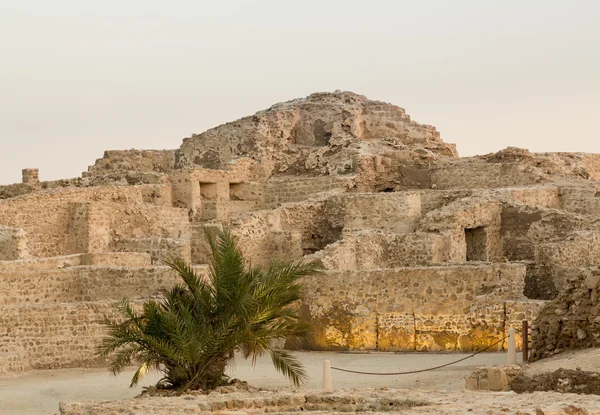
421 370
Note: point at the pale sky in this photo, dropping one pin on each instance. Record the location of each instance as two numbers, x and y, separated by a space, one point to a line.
78 77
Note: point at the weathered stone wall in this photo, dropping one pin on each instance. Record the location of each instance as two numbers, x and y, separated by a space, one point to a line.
13 244
17 189
159 249
82 283
321 134
375 249
525 227
392 212
161 161
49 336
582 200
581 248
262 237
45 216
288 189
459 307
472 224
473 174
53 318
571 320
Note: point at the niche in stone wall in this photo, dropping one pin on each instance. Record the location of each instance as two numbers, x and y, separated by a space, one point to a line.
208 191
476 239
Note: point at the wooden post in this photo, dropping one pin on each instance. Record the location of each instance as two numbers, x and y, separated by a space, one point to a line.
525 341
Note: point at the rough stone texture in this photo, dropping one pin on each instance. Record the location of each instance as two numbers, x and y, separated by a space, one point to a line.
421 249
412 309
571 320
562 380
376 401
321 134
13 244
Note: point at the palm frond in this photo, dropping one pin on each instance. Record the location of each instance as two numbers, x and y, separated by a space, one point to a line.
289 366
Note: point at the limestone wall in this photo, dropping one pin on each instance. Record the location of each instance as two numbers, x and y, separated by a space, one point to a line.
46 216
570 321
481 175
525 227
159 249
285 190
82 283
473 226
35 264
321 134
52 318
13 244
582 200
49 336
392 212
458 307
582 248
371 250
17 189
262 237
134 160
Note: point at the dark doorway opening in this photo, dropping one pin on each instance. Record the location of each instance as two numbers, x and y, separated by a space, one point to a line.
476 239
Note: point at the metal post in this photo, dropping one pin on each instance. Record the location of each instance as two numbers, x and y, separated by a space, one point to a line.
512 349
327 383
525 341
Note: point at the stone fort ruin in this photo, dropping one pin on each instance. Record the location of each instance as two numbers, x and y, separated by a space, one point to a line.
423 250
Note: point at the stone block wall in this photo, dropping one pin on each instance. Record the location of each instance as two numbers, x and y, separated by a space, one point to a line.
50 336
37 264
457 307
46 216
13 244
159 249
82 283
392 212
52 318
287 232
473 226
157 194
376 249
582 200
525 227
547 196
480 175
15 190
581 248
570 321
161 161
516 311
287 190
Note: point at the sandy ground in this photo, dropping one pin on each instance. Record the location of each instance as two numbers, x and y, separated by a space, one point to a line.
587 360
39 392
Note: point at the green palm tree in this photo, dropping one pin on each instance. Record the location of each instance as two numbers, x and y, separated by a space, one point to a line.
191 334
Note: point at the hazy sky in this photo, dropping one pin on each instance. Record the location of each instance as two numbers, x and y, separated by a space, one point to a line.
79 77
